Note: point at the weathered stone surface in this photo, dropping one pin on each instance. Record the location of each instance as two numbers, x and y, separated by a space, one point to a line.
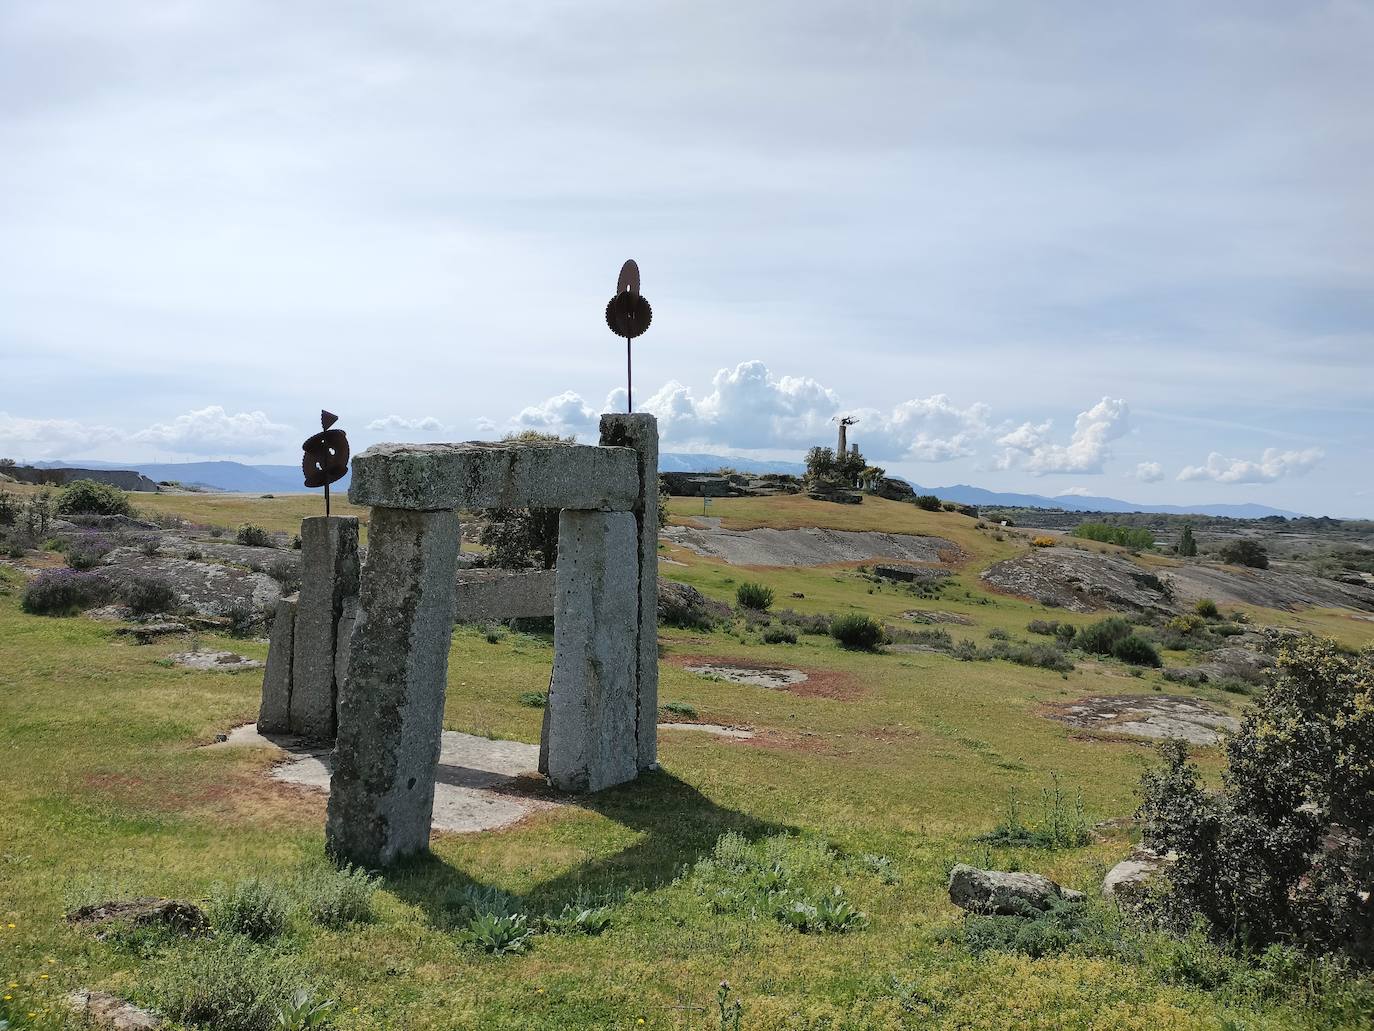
342 636
495 474
1127 881
329 574
274 713
218 661
640 432
997 893
101 1009
208 588
391 714
591 713
183 917
498 594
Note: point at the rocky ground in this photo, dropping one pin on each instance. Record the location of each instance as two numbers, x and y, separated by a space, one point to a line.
808 546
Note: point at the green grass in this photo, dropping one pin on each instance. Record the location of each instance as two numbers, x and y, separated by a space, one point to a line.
103 790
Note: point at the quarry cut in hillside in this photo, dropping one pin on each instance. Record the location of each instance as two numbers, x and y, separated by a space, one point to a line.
809 546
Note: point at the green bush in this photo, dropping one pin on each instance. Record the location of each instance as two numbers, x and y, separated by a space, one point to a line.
148 594
779 635
1245 553
1137 651
1063 821
857 632
1206 608
1028 653
754 596
86 551
1100 638
253 536
683 709
927 502
1282 853
1125 536
252 907
533 699
86 497
226 984
337 898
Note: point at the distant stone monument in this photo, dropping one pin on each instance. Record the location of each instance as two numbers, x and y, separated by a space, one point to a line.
600 724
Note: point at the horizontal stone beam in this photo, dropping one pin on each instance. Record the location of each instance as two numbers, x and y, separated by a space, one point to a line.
504 474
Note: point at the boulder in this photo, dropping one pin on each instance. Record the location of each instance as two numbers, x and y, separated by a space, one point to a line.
101 1009
1128 879
684 606
999 893
184 917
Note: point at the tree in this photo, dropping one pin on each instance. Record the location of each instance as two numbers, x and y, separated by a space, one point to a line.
820 465
1187 547
1284 852
1245 552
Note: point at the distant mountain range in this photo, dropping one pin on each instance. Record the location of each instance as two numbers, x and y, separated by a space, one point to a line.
284 479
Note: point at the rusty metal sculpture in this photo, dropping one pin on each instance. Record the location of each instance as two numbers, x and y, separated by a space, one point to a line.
326 456
628 314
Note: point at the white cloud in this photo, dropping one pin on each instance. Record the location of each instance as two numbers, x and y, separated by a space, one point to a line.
1075 492
564 414
49 438
1273 465
1149 472
1088 448
399 424
213 431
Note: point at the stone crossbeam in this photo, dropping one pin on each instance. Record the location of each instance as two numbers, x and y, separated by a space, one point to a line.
502 474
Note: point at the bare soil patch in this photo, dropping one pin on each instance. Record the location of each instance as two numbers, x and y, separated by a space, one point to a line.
804 683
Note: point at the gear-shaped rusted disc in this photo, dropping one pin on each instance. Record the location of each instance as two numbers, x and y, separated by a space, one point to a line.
628 315
326 454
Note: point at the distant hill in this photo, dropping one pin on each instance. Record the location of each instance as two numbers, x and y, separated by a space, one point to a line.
265 479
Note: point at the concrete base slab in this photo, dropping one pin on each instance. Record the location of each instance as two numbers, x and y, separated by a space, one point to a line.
480 784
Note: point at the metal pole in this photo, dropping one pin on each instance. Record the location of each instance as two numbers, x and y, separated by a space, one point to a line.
629 381
326 501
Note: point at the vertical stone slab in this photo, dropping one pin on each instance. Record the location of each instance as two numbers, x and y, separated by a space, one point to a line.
391 714
640 432
592 715
274 714
329 574
342 634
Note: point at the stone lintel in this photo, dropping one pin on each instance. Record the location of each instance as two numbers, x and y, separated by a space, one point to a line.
495 474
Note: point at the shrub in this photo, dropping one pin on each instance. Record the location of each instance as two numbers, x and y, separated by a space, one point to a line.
148 594
1048 627
226 984
683 709
1063 821
807 623
1185 624
1245 553
86 550
337 898
754 596
1101 638
1042 542
998 634
1283 851
682 605
1042 656
253 908
1137 651
857 632
779 635
533 699
927 502
86 497
1206 608
60 592
1125 536
1065 926
935 638
253 536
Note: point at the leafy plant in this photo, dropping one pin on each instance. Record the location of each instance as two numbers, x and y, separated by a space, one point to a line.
729 1010
1206 608
754 596
857 632
1063 821
251 907
683 709
533 699
304 1011
497 933
227 984
337 898
1101 638
1137 651
253 536
581 916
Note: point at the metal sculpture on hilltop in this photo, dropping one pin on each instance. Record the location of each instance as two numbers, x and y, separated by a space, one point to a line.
628 314
326 456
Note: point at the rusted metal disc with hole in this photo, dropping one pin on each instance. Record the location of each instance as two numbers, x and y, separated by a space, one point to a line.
628 315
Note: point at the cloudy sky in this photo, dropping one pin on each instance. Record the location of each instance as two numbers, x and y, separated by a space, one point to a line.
1117 249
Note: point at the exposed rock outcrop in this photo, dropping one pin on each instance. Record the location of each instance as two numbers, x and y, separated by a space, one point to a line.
999 893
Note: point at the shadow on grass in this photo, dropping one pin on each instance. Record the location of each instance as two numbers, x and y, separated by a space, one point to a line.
677 825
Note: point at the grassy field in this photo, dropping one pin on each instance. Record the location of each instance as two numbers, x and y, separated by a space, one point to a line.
106 792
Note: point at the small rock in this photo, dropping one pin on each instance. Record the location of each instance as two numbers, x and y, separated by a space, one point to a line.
798 594
146 633
184 917
100 1009
996 892
230 662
